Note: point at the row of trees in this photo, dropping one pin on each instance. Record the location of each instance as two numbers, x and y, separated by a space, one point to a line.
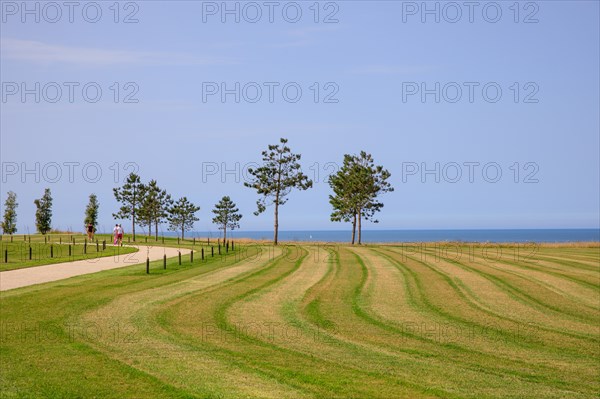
356 188
152 204
148 205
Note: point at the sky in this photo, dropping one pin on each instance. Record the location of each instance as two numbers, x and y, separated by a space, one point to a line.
485 113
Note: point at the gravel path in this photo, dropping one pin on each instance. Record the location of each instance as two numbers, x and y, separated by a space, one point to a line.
41 274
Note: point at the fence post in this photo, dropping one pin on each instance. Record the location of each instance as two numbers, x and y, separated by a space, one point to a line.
51 251
69 250
179 257
147 265
212 251
85 247
30 252
202 253
6 255
191 256
165 261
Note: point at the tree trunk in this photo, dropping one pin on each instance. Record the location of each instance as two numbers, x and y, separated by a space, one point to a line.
359 216
156 230
276 222
353 229
182 230
224 234
133 224
149 227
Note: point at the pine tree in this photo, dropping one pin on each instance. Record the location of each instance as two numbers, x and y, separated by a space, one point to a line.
9 223
227 216
279 174
91 212
182 216
356 187
130 195
43 213
154 206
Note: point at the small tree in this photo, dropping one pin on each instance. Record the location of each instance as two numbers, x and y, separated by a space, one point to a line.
43 213
182 215
9 223
91 212
226 216
279 174
130 196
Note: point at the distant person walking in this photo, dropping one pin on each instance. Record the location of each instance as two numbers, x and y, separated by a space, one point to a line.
116 234
120 235
90 231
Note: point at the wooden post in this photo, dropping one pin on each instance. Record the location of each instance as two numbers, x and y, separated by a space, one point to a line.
191 256
165 261
30 252
227 246
212 251
97 246
51 251
202 253
208 241
179 257
103 245
85 247
219 248
6 255
45 240
60 240
147 265
69 250
232 245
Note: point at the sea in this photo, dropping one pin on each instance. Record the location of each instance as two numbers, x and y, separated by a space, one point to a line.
376 236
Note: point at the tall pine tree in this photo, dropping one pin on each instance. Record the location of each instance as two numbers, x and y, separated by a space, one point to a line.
9 222
130 196
43 213
279 174
182 215
226 216
91 212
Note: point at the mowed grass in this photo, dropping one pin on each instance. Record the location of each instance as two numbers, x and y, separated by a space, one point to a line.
314 321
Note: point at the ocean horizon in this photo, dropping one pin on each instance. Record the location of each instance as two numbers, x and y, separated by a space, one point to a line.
377 236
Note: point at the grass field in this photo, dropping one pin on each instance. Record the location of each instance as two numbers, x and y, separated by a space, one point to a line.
315 321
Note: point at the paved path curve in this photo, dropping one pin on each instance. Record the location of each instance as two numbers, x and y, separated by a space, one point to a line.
41 274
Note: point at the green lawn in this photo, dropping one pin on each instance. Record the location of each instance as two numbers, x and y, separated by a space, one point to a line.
313 322
17 255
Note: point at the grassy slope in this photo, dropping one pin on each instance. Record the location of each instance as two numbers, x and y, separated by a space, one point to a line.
42 254
375 321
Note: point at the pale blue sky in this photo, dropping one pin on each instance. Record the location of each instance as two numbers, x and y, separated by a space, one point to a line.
370 55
